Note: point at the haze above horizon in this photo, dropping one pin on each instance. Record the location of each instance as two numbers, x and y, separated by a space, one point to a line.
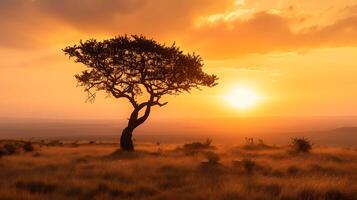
273 58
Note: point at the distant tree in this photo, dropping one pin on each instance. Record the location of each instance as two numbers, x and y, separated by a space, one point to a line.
135 66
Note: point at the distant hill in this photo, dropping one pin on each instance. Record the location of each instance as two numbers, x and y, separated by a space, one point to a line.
345 130
342 136
232 131
338 136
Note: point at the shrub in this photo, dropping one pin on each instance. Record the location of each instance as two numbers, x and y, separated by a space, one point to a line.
199 145
73 191
334 194
249 165
55 143
212 157
293 170
272 189
28 147
92 142
308 194
10 148
249 141
250 144
301 145
2 152
36 187
75 144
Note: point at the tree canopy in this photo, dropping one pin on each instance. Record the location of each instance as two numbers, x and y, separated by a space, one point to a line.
126 65
133 66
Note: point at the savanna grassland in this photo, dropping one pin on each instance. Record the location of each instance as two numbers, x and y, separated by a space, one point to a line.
95 170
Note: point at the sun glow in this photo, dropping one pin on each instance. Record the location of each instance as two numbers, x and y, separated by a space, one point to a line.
243 98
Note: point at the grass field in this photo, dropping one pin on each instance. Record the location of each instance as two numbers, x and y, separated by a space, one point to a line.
97 171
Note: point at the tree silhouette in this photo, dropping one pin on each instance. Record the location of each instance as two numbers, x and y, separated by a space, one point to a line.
135 66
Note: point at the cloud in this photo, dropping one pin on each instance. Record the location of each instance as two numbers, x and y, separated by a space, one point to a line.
266 32
45 23
88 14
26 22
350 9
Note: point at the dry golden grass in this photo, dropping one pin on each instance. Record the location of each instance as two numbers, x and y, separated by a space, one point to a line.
93 171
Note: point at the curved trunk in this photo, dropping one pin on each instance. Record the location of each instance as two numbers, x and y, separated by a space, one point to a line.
126 142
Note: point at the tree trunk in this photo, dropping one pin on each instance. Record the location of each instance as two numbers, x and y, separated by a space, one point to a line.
126 142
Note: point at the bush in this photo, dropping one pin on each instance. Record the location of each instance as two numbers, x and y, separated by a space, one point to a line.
212 157
92 142
199 145
249 141
334 194
272 189
2 152
75 144
55 143
10 148
36 187
293 170
309 194
250 144
28 147
301 145
248 165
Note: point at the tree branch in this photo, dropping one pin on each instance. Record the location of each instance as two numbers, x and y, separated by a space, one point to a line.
144 117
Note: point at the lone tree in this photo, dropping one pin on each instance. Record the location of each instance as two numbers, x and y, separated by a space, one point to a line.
135 66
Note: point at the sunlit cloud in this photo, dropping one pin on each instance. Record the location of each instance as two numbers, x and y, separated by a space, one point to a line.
217 29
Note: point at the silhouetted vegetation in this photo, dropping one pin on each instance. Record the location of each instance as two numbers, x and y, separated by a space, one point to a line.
251 144
10 147
199 145
75 144
301 145
92 142
132 66
97 173
248 165
293 170
36 186
28 147
54 143
212 157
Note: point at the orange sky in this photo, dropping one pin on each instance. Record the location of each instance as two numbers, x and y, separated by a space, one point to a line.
298 56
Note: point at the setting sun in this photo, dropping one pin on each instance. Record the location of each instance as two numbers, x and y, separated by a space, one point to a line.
243 98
